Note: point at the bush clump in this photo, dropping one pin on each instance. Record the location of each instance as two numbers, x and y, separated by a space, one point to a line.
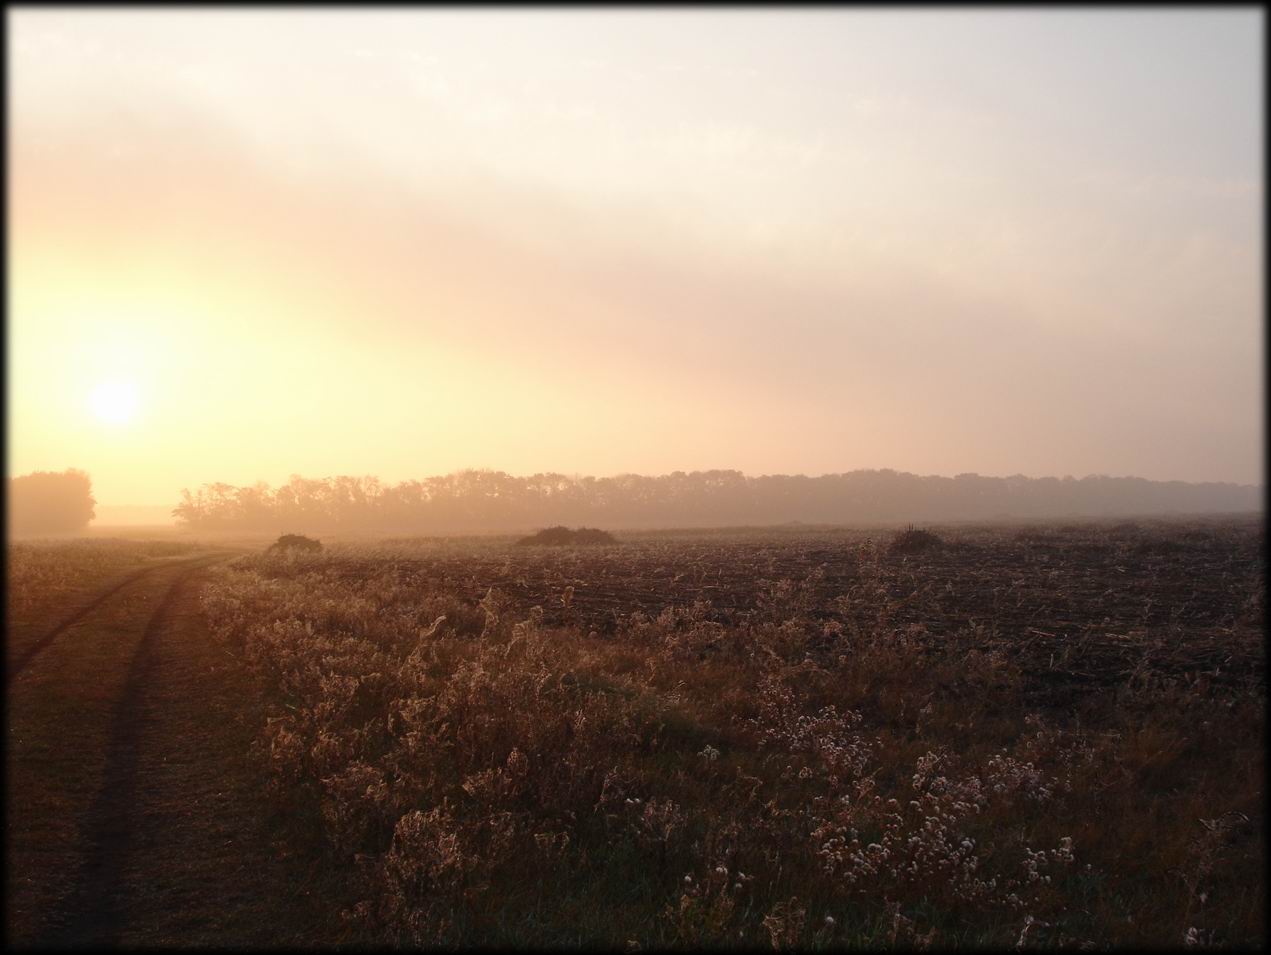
913 541
295 542
559 535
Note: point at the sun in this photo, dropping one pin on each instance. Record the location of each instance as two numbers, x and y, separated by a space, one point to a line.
116 401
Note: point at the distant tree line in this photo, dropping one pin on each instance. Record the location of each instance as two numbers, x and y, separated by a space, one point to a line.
50 503
491 501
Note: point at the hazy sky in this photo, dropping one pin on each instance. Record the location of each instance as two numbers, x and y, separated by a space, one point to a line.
246 244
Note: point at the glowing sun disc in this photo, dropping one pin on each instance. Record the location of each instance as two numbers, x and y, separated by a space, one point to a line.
116 401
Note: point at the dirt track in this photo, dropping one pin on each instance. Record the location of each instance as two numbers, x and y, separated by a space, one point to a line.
134 814
40 645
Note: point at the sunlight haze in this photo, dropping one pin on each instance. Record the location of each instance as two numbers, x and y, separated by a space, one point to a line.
254 243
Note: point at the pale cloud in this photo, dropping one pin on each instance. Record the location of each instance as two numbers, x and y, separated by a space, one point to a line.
876 260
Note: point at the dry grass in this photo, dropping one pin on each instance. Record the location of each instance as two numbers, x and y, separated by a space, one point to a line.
133 809
43 573
784 761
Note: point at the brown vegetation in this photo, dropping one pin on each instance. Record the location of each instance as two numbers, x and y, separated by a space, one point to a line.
913 540
134 816
847 756
46 574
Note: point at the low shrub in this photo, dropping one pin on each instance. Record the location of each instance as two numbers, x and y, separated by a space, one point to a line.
295 542
914 541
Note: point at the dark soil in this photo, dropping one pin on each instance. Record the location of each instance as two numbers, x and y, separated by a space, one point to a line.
564 537
1188 594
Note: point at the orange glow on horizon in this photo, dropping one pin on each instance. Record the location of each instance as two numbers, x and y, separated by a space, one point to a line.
629 243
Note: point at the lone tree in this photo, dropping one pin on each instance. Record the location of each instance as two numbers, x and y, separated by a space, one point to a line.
46 503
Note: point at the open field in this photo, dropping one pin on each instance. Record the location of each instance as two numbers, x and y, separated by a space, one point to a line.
797 736
638 481
1101 596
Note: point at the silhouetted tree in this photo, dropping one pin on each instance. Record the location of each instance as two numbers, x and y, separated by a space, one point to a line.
483 501
48 502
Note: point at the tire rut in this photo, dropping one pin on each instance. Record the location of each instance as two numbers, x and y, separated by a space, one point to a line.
42 644
96 915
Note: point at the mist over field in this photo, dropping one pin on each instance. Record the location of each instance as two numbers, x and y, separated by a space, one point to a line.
801 243
491 501
621 479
